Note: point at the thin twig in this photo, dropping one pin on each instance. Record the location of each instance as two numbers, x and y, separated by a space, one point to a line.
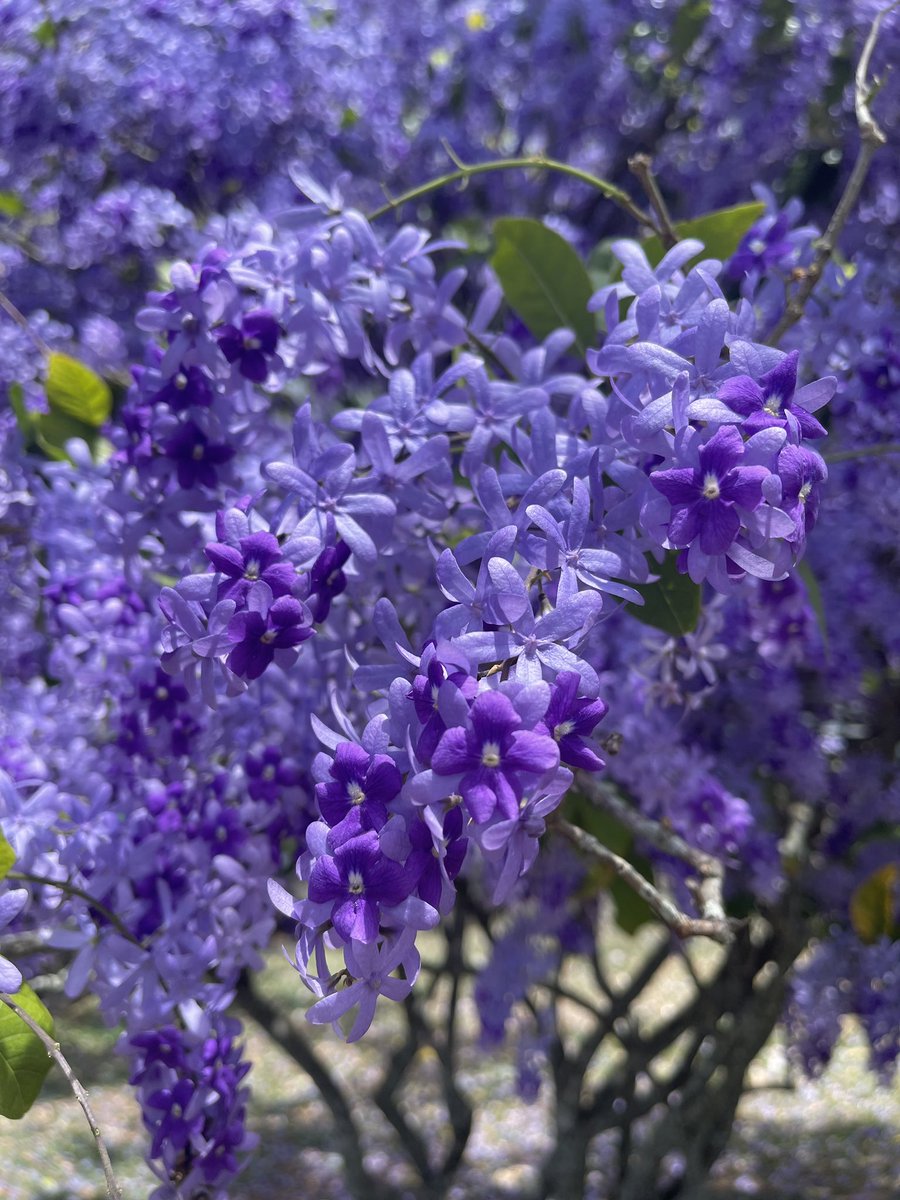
710 869
112 1185
532 162
22 321
719 930
872 139
71 889
641 165
862 452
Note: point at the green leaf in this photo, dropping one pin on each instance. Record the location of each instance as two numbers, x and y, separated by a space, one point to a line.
873 905
631 911
720 231
7 856
672 604
543 279
52 430
76 390
24 1062
47 33
11 205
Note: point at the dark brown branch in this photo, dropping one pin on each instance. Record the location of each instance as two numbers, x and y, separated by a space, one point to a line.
283 1031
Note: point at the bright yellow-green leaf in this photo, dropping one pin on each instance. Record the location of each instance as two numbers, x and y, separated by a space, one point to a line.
24 1062
873 905
7 856
76 390
11 205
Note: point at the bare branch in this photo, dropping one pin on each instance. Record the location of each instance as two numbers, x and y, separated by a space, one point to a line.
710 869
872 139
718 929
641 165
112 1185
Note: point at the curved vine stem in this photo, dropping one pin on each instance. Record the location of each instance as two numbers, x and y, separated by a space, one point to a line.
533 162
52 1047
872 139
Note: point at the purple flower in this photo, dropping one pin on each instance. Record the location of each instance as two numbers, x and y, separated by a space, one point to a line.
703 498
362 785
265 627
252 345
195 456
327 579
801 470
189 386
569 719
438 853
371 970
490 755
358 880
257 556
774 400
11 904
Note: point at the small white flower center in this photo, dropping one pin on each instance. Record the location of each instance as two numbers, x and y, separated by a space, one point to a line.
197 453
268 773
161 693
180 381
355 885
490 755
711 489
803 494
774 404
251 571
757 246
268 637
355 792
252 343
434 696
563 729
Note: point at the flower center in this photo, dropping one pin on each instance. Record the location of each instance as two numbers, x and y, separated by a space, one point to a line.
355 792
197 452
711 489
774 404
490 755
268 773
803 494
161 693
252 343
268 637
563 729
180 381
251 571
355 885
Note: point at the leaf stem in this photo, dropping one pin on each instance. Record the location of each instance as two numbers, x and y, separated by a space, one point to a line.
112 1185
532 162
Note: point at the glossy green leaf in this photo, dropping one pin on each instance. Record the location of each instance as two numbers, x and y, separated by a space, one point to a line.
873 906
7 856
543 279
76 390
672 603
814 595
720 231
24 1062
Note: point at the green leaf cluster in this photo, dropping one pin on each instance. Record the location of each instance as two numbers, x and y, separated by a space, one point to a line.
672 603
